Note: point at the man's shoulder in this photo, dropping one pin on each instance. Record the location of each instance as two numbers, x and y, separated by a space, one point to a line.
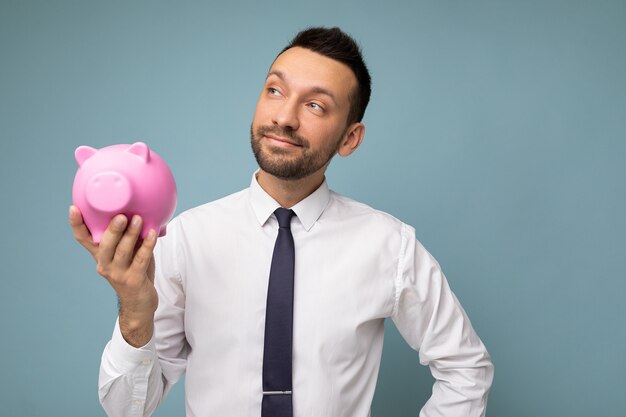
230 204
345 207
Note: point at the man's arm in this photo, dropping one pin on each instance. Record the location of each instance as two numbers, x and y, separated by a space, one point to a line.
131 381
128 266
432 321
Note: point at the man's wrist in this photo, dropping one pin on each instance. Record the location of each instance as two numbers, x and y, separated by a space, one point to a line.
123 358
137 329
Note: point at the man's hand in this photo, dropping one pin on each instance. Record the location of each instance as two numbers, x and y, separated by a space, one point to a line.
128 265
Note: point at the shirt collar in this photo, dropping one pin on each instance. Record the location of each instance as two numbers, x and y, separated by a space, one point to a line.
308 210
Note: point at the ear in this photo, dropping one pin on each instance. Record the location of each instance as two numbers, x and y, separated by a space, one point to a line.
352 139
83 153
141 150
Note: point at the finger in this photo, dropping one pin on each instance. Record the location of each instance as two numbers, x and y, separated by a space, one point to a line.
144 255
151 269
110 239
128 243
81 233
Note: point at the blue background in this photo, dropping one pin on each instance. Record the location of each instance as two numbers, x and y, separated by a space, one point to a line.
496 128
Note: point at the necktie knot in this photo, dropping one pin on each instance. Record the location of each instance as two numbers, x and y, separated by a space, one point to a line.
284 216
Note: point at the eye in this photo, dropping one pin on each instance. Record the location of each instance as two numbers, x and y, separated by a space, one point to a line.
316 106
273 91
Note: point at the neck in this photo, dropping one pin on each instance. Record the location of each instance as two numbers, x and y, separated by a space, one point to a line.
288 193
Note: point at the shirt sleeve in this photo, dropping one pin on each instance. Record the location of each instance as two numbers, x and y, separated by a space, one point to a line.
431 320
130 382
133 381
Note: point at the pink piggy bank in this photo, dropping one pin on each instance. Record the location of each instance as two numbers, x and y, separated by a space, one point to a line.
126 179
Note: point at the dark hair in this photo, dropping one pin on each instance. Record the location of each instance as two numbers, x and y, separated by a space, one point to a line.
336 44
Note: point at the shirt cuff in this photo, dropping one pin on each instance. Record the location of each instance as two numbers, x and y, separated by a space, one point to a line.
126 357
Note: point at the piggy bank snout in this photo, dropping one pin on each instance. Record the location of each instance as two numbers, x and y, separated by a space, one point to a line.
108 192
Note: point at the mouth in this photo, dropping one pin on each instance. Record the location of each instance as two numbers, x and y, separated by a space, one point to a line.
281 141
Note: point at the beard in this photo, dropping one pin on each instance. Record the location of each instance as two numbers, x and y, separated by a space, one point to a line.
279 163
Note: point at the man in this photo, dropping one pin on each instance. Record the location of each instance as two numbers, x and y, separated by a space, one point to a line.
203 304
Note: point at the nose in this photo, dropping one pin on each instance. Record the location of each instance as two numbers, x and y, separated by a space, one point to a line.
286 115
108 192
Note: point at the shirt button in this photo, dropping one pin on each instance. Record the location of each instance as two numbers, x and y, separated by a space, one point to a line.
137 402
146 362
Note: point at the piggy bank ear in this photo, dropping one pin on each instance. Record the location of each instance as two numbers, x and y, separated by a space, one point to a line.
141 150
83 153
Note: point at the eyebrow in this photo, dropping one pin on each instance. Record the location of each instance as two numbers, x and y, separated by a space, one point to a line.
315 89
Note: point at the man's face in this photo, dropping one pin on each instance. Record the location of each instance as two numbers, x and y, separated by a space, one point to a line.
301 116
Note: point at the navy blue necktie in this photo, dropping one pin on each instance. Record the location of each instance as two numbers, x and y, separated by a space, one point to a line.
279 323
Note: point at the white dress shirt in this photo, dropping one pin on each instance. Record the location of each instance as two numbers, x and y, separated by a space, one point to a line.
354 267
